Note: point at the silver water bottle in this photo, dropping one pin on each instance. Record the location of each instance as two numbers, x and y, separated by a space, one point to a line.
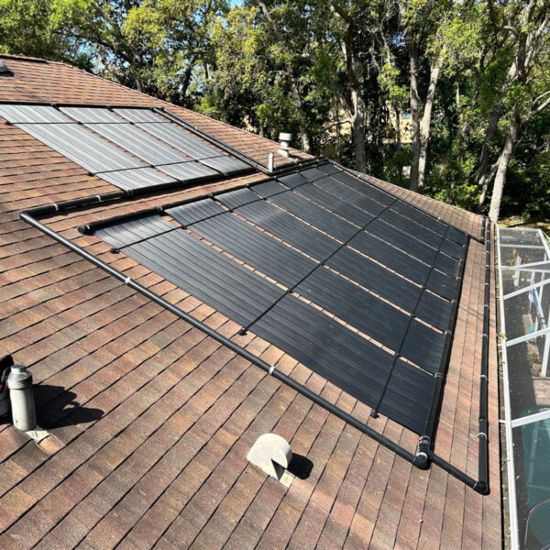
22 398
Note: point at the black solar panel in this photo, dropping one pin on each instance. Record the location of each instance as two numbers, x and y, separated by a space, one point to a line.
345 210
315 215
290 229
265 254
376 278
348 195
359 290
193 212
196 268
239 197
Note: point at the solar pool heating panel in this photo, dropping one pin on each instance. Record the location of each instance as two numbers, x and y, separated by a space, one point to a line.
370 315
224 164
375 278
290 229
435 310
315 215
292 180
133 231
193 212
139 143
402 241
186 171
329 168
80 145
348 361
453 249
92 115
442 284
447 264
193 147
411 227
391 257
33 114
355 306
408 399
346 211
196 268
364 188
180 139
268 188
349 196
239 197
312 174
112 143
248 244
139 115
136 178
429 222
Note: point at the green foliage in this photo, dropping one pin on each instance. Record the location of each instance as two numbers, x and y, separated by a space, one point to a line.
280 65
43 28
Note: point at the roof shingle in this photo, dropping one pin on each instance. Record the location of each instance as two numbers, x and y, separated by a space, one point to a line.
156 418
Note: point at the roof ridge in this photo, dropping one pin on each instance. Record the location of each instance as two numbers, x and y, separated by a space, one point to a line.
24 58
170 104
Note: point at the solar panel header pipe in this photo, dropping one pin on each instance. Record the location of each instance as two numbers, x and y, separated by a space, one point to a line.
424 348
28 216
418 459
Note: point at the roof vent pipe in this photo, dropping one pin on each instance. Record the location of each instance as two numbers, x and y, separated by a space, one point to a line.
272 454
22 398
4 69
284 142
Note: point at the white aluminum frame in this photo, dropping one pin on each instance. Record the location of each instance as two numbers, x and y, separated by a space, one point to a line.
509 423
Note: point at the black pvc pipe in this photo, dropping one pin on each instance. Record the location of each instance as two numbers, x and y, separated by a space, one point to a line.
100 224
478 485
239 350
483 435
421 459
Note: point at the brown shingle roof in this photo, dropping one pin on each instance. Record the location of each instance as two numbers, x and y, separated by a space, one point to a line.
156 418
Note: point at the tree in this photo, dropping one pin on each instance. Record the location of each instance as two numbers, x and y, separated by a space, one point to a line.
44 28
528 89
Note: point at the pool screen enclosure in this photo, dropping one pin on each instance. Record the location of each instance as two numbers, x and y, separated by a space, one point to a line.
352 282
524 274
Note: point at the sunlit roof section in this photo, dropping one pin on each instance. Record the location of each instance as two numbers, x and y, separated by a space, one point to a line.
128 147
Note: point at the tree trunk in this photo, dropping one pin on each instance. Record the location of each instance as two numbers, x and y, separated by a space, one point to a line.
426 123
354 73
485 171
415 114
484 165
502 167
306 144
358 128
397 127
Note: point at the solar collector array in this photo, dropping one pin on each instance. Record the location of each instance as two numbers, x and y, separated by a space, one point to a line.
129 148
390 301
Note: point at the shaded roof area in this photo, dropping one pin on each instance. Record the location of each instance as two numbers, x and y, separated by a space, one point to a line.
156 418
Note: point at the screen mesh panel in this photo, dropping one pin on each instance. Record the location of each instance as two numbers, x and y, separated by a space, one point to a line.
129 148
361 300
